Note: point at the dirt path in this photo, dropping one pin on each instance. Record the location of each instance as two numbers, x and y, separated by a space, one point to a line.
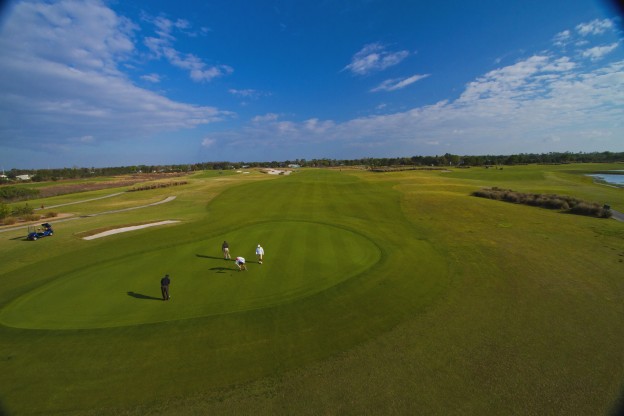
126 229
617 215
168 199
80 202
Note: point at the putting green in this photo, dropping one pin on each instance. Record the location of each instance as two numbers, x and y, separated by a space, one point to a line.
302 258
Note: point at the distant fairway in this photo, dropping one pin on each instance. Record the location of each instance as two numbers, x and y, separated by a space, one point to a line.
381 293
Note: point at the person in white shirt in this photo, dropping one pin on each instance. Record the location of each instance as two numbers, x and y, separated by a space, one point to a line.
240 262
259 253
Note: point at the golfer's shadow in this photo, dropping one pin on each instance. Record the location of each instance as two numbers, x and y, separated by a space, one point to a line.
209 257
141 296
217 269
222 269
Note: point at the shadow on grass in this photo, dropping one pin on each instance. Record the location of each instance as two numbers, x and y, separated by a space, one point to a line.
210 257
222 269
3 412
618 407
221 258
141 296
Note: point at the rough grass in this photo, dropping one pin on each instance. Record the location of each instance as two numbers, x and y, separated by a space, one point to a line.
475 307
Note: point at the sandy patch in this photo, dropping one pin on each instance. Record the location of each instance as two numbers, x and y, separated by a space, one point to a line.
126 229
277 172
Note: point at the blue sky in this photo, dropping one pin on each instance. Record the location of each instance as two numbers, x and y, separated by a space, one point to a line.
112 83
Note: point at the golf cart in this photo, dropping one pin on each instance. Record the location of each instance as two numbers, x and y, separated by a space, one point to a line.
37 232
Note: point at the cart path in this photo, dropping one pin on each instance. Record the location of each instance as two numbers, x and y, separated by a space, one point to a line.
80 202
617 215
168 199
126 229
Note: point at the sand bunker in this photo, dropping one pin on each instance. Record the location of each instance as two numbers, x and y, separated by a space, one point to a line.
126 229
277 172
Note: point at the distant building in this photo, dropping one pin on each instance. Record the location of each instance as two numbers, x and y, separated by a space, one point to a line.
23 177
294 166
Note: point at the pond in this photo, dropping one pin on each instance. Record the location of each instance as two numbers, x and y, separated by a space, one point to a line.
616 178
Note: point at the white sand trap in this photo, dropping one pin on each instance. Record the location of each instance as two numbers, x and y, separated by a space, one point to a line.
126 229
277 172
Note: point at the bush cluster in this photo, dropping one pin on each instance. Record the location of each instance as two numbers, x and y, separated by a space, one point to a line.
402 168
10 216
17 193
157 186
561 202
21 211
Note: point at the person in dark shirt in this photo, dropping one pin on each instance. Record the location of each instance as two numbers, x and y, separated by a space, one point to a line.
225 247
164 287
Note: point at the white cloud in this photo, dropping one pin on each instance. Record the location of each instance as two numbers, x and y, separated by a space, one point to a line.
546 102
595 27
208 142
162 47
243 93
248 93
509 81
84 139
154 78
562 38
61 79
265 118
562 64
374 57
317 126
398 83
598 52
82 35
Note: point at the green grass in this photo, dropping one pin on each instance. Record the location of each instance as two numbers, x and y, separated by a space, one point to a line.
393 293
106 293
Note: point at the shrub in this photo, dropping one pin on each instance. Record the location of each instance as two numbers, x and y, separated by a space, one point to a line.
17 193
585 208
31 217
23 210
550 201
5 211
9 220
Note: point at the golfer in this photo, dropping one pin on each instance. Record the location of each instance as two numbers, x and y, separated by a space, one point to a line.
164 287
240 262
225 247
259 253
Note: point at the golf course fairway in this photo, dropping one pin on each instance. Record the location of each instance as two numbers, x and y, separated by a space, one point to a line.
380 293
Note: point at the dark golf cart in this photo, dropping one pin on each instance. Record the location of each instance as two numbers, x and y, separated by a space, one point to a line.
44 231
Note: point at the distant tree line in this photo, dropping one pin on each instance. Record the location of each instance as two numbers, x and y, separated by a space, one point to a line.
447 159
